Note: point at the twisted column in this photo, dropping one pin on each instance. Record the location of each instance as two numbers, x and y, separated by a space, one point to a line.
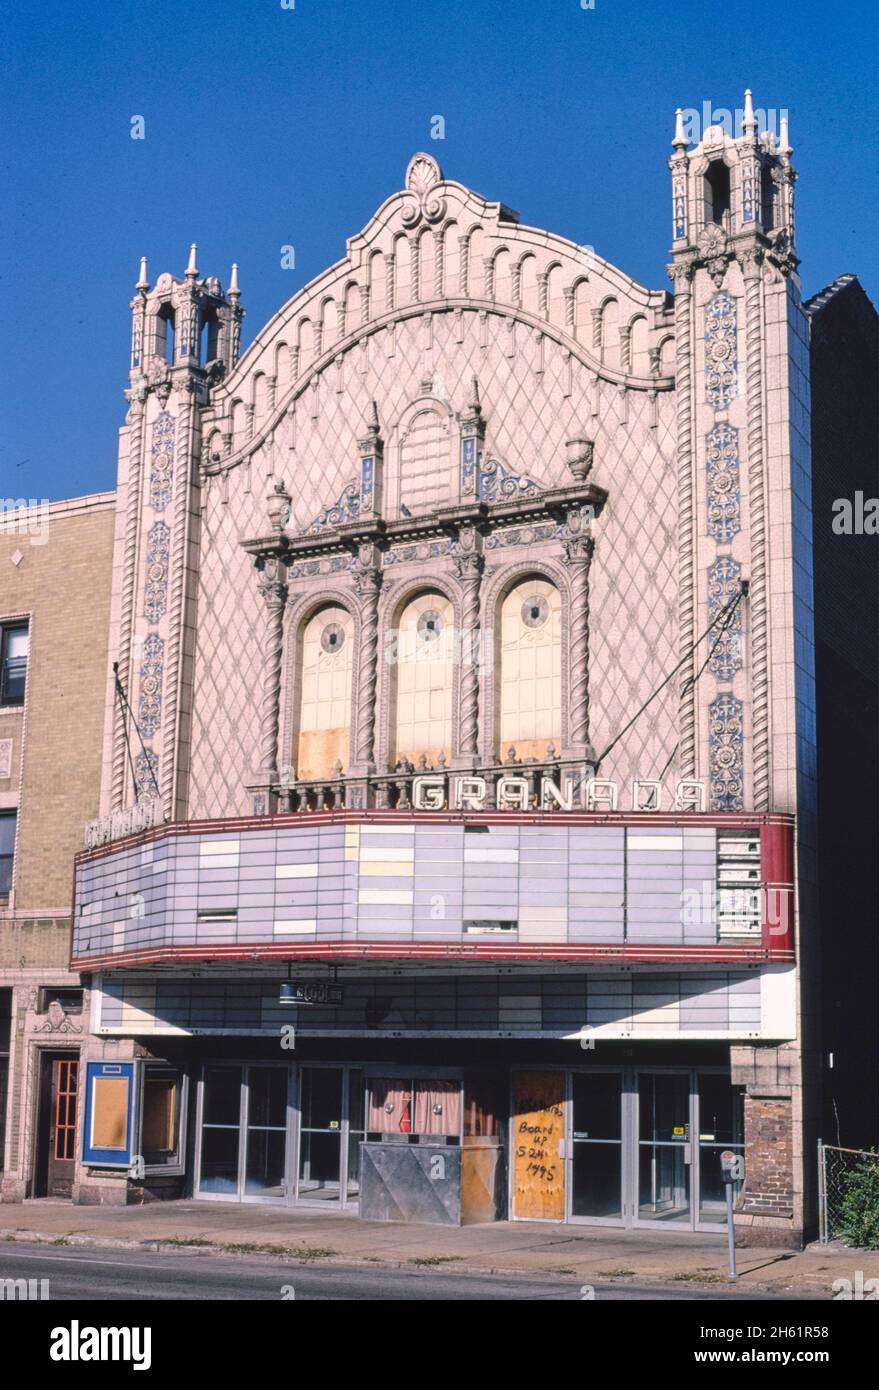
274 591
469 566
757 503
578 549
367 582
681 274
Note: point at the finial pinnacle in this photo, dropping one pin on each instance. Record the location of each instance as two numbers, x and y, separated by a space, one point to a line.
192 267
784 145
233 282
749 124
680 140
143 281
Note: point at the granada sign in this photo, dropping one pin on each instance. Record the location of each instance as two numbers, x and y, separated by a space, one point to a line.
513 792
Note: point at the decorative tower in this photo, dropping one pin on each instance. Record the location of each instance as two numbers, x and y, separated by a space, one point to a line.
185 337
739 333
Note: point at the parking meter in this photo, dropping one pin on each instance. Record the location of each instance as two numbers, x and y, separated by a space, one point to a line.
732 1170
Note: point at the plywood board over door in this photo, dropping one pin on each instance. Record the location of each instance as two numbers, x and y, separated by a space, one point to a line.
538 1145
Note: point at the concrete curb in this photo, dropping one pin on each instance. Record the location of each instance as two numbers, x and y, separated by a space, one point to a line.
461 1265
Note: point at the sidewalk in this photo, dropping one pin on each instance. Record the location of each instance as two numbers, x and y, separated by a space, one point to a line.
524 1247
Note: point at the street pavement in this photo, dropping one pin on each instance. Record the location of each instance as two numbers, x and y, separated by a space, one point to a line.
88 1274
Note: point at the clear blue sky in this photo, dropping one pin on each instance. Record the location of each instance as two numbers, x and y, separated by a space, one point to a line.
267 126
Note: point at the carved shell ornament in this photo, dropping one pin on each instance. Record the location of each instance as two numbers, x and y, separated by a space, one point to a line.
422 178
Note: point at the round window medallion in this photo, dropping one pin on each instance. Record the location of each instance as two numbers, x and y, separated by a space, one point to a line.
430 625
332 639
535 611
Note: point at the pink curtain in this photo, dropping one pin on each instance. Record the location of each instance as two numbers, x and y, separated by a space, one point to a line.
389 1106
437 1107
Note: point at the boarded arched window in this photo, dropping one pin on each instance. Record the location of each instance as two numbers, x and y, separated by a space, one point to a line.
530 704
423 676
324 732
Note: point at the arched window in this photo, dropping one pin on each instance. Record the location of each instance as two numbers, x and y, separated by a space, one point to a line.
166 334
209 337
767 198
324 727
424 668
530 699
717 193
610 333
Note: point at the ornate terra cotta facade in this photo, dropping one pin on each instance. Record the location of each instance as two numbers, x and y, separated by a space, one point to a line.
478 534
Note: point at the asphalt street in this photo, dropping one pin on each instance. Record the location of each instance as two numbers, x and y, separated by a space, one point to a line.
89 1274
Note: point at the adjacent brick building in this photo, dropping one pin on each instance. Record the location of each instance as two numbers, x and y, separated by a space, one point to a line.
55 575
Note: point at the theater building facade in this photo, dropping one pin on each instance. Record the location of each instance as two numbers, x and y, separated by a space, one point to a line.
455 858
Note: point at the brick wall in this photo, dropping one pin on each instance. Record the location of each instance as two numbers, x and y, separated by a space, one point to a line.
769 1176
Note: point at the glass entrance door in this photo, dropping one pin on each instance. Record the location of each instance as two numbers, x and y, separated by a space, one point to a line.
265 1173
664 1148
320 1134
597 1146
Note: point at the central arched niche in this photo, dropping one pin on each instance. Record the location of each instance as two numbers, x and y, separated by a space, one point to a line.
425 473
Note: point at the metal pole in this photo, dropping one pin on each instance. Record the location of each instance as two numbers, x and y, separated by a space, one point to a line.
730 1231
822 1194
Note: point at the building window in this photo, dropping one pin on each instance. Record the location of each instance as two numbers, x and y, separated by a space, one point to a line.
69 997
424 672
7 851
13 662
530 702
327 667
404 1107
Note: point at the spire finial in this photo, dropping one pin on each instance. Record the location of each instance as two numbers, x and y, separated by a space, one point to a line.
680 141
784 145
192 267
143 280
749 124
234 291
473 403
372 423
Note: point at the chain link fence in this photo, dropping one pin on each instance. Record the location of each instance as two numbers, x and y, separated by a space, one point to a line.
835 1167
